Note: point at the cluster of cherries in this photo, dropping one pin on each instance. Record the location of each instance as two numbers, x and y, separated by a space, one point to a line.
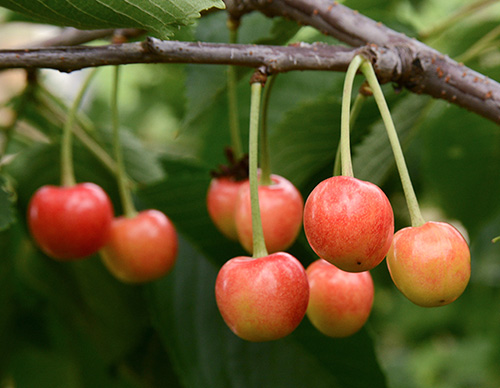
74 222
349 224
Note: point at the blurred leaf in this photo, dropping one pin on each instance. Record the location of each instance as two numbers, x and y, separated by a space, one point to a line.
7 216
306 140
160 17
207 354
373 157
460 156
182 197
141 164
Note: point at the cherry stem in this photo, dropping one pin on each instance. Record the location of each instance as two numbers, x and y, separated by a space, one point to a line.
345 147
67 168
232 96
265 160
411 198
121 177
496 239
356 108
259 245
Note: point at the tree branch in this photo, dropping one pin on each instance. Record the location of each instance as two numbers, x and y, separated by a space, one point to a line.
395 57
275 59
418 67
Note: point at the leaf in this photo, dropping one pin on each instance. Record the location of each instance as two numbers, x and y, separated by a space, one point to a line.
7 216
305 141
373 157
160 17
460 160
182 197
207 354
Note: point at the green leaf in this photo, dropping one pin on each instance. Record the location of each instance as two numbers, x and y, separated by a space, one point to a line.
7 216
460 164
160 17
373 158
207 354
182 197
306 140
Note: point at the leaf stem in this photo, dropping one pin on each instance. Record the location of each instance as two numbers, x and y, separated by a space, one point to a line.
125 194
259 245
345 147
265 160
232 96
411 198
67 168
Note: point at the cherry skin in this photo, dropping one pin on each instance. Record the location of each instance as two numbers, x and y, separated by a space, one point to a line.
221 204
339 302
281 206
430 264
262 299
349 223
70 222
141 248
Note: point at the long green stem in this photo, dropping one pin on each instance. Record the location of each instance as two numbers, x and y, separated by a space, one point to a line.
411 198
67 169
259 245
265 162
232 96
51 108
345 147
125 194
356 108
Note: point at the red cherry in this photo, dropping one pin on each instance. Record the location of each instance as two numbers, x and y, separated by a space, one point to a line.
262 299
70 222
430 264
349 223
141 248
281 206
339 302
221 203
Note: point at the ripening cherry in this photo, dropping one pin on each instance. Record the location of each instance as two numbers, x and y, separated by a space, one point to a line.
349 223
262 299
70 222
281 207
430 264
141 248
339 302
222 196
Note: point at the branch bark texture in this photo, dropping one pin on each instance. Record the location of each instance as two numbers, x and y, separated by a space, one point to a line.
395 57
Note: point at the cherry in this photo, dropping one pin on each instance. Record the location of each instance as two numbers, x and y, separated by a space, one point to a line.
70 222
430 264
281 207
223 192
141 248
339 302
349 223
221 204
262 299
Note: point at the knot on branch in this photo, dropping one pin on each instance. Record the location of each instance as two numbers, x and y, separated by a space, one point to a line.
394 63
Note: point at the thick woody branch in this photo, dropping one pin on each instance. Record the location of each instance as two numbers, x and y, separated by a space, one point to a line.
417 66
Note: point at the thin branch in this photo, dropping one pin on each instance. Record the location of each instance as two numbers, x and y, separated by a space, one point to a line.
274 58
